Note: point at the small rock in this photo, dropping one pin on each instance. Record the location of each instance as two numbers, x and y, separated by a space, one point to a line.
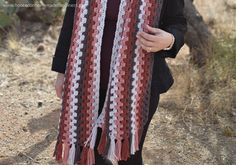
24 129
20 154
40 48
40 104
23 83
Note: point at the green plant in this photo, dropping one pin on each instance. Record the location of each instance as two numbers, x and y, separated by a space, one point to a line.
7 14
222 66
221 75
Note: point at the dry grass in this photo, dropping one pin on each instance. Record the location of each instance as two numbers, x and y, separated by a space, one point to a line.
13 43
206 96
194 124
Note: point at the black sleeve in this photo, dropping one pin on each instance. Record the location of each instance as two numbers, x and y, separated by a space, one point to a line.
62 49
174 22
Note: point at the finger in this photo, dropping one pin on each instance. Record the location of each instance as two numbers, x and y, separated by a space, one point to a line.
145 42
146 48
149 37
152 29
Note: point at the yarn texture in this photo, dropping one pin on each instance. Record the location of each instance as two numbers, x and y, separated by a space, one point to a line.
126 106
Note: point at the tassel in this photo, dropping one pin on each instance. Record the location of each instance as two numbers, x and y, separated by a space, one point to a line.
136 142
66 152
58 151
102 144
55 149
71 157
132 144
83 156
93 138
118 149
125 149
90 157
111 151
87 156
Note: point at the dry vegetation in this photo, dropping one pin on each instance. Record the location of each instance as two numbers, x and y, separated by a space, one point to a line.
195 122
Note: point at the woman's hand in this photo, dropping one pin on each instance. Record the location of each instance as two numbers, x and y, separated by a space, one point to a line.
59 84
156 41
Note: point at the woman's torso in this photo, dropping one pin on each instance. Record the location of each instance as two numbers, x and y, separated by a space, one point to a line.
107 40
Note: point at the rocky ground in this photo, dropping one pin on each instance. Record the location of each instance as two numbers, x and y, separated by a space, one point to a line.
29 108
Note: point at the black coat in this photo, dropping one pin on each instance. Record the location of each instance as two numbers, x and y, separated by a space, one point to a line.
171 20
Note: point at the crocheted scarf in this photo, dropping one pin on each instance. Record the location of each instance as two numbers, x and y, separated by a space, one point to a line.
126 105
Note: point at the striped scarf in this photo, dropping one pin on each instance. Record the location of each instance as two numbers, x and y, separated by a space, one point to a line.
126 105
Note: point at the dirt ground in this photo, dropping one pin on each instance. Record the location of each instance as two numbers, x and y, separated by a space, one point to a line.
30 111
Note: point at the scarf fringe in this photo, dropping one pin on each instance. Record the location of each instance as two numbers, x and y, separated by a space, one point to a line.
65 153
111 151
66 148
118 149
120 152
132 149
87 156
125 149
134 143
92 137
102 144
58 151
71 157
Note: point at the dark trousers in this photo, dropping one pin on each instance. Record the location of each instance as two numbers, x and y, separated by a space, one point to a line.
135 159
